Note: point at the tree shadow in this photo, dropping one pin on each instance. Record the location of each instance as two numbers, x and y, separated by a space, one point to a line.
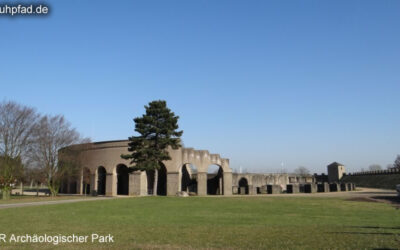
376 227
366 233
391 199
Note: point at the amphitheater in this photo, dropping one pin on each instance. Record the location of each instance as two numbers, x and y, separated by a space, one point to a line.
196 172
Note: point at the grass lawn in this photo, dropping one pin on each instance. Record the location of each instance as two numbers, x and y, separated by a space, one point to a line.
213 222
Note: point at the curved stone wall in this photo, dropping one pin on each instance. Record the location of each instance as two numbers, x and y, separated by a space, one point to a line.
107 154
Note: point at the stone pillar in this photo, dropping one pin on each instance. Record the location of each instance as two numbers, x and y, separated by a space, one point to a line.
326 186
202 183
172 183
227 183
93 182
80 187
132 182
220 186
251 189
138 183
111 185
235 190
263 189
96 177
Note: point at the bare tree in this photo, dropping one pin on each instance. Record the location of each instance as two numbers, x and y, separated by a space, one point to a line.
302 171
397 162
389 166
374 167
17 124
52 134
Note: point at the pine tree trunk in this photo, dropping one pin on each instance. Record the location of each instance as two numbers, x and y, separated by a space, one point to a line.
155 182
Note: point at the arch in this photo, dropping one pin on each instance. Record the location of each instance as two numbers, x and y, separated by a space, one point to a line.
243 186
101 180
86 181
189 178
157 181
215 180
162 180
122 180
150 174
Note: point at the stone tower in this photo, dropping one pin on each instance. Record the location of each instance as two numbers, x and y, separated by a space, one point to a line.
335 171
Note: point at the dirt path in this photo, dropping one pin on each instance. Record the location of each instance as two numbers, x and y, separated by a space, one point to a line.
38 203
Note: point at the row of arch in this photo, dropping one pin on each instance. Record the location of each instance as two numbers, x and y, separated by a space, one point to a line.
156 180
257 182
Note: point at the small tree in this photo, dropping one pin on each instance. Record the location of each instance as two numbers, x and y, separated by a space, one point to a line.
302 171
158 130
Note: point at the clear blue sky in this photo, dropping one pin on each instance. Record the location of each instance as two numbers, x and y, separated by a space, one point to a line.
260 82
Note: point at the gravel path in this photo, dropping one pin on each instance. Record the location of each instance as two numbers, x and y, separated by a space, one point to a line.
38 203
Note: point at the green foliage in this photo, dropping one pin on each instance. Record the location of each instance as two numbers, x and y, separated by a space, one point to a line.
157 131
11 169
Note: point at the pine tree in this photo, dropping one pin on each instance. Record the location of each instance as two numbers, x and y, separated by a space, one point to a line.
158 130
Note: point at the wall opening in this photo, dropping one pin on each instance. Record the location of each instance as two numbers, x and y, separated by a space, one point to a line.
86 181
150 181
243 186
122 180
73 188
189 178
101 180
157 181
162 180
215 180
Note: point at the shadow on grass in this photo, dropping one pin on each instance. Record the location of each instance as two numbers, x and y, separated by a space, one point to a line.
376 227
391 199
381 193
367 233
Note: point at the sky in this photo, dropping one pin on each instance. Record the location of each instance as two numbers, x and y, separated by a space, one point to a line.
303 83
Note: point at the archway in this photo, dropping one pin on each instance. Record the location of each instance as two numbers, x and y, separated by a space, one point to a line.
243 186
162 180
86 181
72 187
189 178
101 180
122 180
215 180
150 174
158 187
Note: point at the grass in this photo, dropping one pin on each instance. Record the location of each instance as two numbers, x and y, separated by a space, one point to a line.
211 222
